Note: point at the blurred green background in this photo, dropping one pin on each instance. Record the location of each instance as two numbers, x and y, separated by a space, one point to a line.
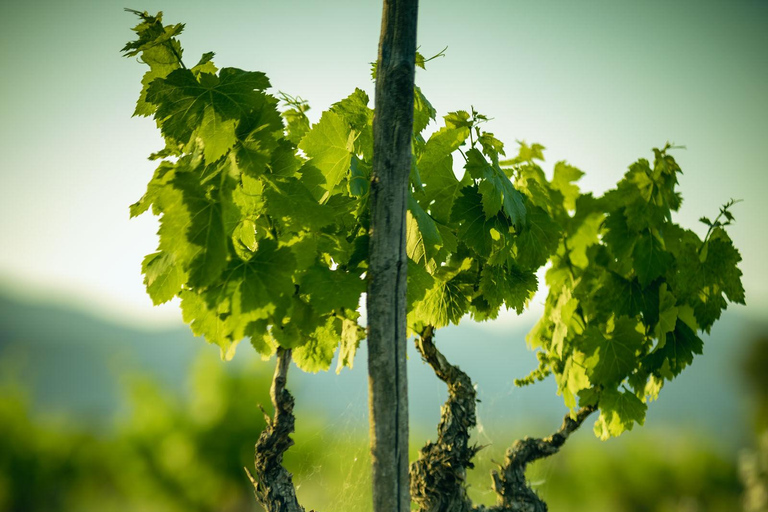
94 416
107 403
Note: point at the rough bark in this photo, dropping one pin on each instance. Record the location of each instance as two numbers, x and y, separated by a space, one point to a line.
438 476
512 490
386 305
272 483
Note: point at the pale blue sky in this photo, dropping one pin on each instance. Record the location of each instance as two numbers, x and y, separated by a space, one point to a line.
598 83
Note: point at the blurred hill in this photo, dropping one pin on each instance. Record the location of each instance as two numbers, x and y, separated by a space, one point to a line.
72 363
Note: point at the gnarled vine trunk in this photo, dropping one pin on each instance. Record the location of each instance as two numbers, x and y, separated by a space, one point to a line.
438 475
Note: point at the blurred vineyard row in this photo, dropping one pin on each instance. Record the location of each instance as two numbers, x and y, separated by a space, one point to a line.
169 452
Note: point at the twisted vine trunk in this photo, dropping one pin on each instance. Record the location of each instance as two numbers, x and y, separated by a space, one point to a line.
386 304
272 483
438 476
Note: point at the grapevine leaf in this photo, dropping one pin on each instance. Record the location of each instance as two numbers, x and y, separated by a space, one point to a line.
615 355
192 230
209 322
477 232
159 50
317 353
181 99
623 297
537 239
422 236
261 340
563 180
284 162
259 149
218 136
329 145
678 350
667 312
419 281
164 173
443 304
436 170
355 111
496 189
359 177
508 285
650 258
619 411
619 238
331 290
721 267
296 120
162 277
291 202
351 335
262 281
571 381
423 111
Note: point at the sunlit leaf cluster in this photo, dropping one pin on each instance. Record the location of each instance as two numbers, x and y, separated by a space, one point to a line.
629 291
264 235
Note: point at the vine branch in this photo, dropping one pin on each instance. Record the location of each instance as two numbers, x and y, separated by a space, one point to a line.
438 476
514 493
272 483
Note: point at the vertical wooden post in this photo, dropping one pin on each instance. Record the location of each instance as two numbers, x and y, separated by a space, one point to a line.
386 304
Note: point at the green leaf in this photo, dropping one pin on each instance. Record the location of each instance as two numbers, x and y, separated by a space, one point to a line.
678 350
261 340
317 353
164 174
496 189
529 153
537 240
208 321
159 50
330 145
359 177
192 230
508 285
477 232
419 281
619 238
423 111
667 312
650 259
331 290
614 357
571 381
563 180
284 162
422 236
351 335
259 149
436 169
292 203
354 109
443 304
619 411
162 277
296 120
721 266
623 297
218 136
181 99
